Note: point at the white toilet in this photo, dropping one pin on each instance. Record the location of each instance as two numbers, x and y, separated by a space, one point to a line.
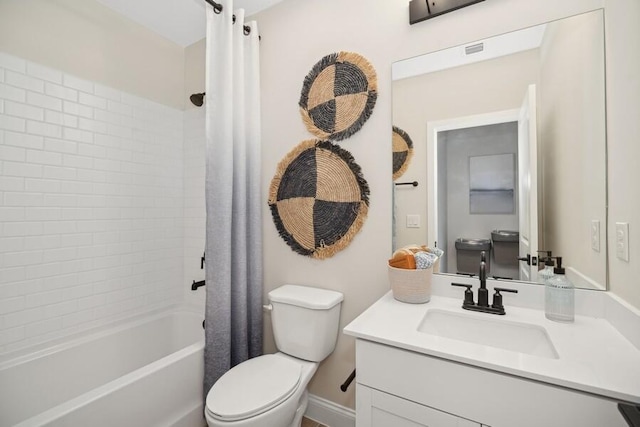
271 390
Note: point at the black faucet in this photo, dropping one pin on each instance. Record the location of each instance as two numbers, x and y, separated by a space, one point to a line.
483 293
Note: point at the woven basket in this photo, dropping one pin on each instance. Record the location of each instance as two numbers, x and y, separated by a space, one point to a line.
412 286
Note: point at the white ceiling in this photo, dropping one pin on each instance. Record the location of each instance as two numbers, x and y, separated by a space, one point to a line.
181 21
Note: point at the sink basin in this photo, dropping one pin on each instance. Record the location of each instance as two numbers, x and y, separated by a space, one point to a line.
513 336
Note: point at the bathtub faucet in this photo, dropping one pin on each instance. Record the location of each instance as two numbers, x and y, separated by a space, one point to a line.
195 285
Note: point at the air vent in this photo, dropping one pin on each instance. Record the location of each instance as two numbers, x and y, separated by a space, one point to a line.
473 48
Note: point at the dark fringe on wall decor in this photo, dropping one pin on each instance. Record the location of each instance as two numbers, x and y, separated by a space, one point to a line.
338 95
318 198
402 151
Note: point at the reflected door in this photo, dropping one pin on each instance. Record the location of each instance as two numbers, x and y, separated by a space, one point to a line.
528 187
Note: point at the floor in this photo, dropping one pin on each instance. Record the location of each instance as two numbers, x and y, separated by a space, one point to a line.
306 422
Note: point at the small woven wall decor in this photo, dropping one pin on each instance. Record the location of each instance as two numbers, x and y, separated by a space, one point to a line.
318 198
338 95
402 151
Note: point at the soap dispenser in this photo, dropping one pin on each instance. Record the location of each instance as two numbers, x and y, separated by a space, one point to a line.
559 296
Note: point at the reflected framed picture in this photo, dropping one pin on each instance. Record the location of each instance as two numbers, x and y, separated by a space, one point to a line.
492 184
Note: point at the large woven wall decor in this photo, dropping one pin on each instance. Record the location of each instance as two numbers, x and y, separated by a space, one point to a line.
402 151
338 95
318 198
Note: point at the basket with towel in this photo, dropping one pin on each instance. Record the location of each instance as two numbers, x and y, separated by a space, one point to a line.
410 272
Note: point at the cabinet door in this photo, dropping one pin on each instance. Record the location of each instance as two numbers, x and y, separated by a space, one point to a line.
378 409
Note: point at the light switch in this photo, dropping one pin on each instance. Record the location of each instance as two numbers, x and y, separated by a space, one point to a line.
413 221
595 235
622 240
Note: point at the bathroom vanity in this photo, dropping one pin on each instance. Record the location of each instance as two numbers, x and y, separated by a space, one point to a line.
435 364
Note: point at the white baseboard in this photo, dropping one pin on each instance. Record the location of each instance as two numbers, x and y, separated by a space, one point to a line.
329 413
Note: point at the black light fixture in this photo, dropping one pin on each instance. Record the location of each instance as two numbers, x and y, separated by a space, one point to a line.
197 99
419 10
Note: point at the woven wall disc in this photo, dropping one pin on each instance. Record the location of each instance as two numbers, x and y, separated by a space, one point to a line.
402 151
338 95
318 198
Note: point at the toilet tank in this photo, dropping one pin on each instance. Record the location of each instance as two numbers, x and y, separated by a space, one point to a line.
305 321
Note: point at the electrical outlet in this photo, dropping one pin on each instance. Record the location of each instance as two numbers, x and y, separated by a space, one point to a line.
622 240
595 235
413 221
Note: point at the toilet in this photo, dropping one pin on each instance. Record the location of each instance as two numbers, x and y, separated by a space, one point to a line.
271 390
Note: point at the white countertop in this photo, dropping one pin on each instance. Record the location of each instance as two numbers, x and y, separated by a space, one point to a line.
593 356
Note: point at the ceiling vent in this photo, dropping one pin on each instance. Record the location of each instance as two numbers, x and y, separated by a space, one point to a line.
473 48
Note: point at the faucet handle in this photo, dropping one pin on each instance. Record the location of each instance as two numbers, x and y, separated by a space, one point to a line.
497 297
513 291
468 294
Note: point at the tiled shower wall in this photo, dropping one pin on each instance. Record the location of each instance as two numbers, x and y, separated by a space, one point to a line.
91 204
194 202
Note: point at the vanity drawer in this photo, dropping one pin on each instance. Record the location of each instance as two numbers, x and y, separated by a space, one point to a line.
496 399
378 409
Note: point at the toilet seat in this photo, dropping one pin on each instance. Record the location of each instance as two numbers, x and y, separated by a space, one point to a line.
253 387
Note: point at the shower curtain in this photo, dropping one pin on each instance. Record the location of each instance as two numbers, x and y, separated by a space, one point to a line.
233 259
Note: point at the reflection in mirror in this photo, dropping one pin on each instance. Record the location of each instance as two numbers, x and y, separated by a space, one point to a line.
509 149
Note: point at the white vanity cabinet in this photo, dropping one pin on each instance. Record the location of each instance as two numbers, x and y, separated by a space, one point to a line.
378 409
402 388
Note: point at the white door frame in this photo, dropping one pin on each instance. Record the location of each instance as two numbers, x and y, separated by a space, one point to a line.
433 128
528 186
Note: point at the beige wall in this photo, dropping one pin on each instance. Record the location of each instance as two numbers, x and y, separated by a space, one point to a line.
194 71
88 40
456 92
297 34
622 30
571 112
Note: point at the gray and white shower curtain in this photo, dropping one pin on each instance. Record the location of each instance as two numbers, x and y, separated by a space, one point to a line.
234 226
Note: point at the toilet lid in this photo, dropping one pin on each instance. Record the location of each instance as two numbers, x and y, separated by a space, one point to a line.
253 387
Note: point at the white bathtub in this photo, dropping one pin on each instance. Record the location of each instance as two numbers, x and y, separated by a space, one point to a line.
142 373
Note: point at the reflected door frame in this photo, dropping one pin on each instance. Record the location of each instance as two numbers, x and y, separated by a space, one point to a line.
528 186
435 127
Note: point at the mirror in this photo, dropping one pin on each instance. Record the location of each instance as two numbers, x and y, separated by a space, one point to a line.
506 139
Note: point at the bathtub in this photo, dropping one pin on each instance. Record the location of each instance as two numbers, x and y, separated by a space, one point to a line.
141 372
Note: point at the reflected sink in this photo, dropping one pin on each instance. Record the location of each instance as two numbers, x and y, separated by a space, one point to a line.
513 336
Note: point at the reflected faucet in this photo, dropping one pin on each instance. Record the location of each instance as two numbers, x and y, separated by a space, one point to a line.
483 293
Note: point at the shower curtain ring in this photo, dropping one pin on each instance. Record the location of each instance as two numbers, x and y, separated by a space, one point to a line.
217 7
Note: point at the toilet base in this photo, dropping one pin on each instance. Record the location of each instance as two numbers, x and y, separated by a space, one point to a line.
302 408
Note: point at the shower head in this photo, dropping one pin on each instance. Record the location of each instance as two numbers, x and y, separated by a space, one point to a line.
197 99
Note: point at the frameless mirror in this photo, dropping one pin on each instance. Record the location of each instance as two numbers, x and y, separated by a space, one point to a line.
506 139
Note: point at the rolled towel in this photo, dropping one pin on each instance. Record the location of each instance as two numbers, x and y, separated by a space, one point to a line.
406 261
401 252
414 248
436 251
425 260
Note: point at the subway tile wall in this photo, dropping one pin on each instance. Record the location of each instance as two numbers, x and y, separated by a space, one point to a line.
194 201
91 204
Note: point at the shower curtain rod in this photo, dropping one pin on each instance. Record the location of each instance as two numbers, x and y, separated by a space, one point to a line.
217 8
